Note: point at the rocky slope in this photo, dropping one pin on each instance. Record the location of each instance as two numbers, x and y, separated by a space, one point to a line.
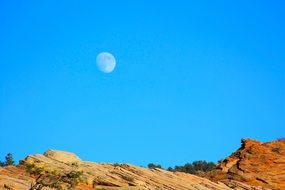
254 163
63 170
254 166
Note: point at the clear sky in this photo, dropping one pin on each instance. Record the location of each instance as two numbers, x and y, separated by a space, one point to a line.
192 78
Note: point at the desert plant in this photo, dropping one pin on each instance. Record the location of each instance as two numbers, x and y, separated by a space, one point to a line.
116 165
58 181
32 169
152 166
170 169
9 160
2 164
73 178
194 167
53 179
47 180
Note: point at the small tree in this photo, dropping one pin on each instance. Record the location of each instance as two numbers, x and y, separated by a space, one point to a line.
9 159
2 164
170 169
54 179
195 167
152 166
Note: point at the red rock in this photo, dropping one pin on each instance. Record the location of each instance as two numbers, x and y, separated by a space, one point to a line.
254 163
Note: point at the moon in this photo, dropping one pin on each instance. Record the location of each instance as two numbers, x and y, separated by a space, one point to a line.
106 62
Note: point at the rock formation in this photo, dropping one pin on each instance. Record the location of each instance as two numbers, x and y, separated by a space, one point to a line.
254 163
255 166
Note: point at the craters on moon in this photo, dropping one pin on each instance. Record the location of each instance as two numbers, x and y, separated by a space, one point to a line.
105 62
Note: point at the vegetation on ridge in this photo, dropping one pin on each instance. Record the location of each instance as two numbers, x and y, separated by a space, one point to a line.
53 179
9 160
192 168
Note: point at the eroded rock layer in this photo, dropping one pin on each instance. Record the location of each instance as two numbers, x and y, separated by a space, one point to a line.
42 171
254 163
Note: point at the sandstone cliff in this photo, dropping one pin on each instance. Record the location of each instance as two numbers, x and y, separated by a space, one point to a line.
63 170
254 163
254 166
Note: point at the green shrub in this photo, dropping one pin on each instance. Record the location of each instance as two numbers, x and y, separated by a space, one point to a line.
9 160
32 169
152 166
54 179
194 167
73 178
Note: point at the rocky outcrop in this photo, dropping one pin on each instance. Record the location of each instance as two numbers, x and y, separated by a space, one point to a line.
254 163
44 171
61 156
254 166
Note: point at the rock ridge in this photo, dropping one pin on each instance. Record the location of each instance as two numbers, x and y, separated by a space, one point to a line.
254 166
254 163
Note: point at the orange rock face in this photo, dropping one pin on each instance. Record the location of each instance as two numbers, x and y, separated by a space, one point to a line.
255 166
254 163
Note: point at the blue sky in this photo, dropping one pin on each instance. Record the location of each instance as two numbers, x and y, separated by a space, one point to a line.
192 78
